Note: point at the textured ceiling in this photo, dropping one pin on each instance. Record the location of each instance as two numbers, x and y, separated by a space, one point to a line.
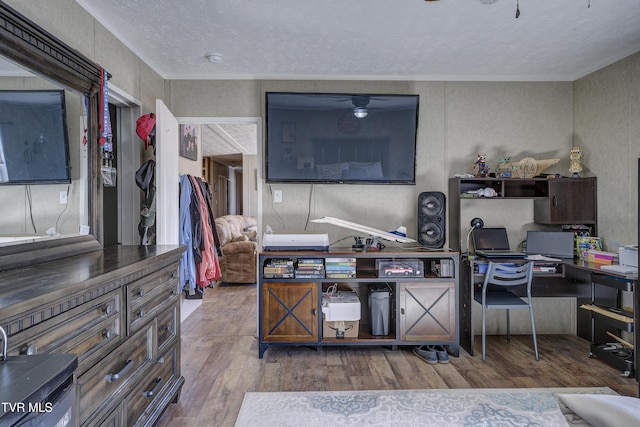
470 40
228 141
374 39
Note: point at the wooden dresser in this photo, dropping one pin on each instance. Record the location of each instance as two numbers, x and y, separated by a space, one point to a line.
118 310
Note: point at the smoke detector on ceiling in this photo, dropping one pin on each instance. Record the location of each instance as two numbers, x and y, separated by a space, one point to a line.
214 58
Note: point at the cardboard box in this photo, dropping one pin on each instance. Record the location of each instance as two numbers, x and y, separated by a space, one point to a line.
340 329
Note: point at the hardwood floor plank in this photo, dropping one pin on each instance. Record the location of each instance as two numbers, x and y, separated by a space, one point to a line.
220 363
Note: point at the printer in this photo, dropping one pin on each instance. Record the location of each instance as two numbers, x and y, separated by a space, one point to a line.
628 255
295 242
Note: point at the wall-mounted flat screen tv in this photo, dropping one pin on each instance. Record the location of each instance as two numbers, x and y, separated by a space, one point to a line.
341 138
34 143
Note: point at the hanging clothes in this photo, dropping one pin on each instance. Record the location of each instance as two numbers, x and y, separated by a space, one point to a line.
209 269
145 180
199 266
187 262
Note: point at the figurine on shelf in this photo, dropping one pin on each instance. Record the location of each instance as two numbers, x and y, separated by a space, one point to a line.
480 166
530 167
575 165
503 168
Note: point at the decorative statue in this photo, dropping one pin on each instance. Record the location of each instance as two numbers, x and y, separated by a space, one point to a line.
575 157
529 167
503 168
481 167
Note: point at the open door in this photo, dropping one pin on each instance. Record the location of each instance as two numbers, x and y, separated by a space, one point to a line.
167 176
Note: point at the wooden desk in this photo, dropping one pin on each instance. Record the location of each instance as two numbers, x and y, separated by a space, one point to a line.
584 281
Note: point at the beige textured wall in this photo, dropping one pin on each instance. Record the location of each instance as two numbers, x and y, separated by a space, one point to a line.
607 127
457 120
68 21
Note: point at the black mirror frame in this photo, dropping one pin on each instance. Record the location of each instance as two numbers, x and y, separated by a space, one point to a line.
32 47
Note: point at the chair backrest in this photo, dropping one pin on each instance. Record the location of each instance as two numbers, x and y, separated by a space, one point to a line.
508 275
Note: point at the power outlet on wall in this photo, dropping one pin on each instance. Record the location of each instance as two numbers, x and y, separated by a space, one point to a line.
277 196
63 197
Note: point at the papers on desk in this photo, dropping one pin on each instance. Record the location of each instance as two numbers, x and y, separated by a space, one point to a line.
542 258
619 268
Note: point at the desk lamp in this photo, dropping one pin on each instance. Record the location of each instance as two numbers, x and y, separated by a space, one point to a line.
475 223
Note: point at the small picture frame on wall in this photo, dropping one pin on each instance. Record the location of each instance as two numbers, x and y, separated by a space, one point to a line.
288 132
189 141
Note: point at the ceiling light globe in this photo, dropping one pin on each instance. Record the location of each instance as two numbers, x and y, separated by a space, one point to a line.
360 112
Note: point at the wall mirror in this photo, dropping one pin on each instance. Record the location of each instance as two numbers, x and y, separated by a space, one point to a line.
49 198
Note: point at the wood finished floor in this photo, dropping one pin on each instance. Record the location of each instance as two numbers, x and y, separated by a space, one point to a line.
220 363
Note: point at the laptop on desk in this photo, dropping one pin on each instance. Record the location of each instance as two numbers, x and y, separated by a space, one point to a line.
493 242
553 244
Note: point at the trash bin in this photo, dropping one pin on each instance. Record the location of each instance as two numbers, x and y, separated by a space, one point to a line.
379 306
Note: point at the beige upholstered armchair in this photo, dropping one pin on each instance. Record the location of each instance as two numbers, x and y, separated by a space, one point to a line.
237 235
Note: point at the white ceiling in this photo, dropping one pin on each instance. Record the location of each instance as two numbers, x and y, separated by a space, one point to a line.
468 40
229 141
374 39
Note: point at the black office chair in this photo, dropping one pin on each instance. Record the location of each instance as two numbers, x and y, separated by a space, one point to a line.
495 295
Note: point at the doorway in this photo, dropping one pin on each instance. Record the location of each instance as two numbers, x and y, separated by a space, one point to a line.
229 150
121 204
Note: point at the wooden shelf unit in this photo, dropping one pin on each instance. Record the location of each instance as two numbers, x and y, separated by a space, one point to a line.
556 201
423 309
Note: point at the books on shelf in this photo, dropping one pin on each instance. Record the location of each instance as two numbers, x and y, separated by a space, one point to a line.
278 268
309 268
340 268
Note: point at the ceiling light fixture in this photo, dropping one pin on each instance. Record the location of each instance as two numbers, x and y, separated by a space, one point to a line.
360 112
214 58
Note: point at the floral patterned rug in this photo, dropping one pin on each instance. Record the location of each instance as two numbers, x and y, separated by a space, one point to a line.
436 407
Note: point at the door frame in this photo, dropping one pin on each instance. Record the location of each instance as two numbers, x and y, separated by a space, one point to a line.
129 153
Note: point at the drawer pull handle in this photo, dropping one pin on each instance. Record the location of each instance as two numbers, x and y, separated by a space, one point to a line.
140 293
30 349
117 376
155 388
315 311
109 333
402 311
555 201
141 313
169 327
108 309
160 360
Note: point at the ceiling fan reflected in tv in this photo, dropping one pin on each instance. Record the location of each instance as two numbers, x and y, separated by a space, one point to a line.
341 138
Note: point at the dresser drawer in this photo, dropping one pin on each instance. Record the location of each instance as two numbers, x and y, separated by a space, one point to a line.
88 331
151 386
145 300
116 374
167 328
114 419
143 288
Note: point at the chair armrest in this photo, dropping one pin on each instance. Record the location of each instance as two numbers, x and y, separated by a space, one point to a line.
246 246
